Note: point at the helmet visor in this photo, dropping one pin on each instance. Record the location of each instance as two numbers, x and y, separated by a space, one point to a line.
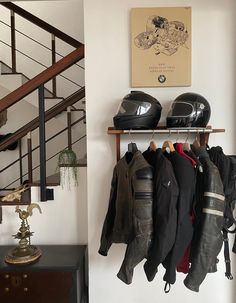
181 109
132 107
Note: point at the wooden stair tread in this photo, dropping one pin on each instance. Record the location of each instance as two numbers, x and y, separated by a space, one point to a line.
53 180
25 200
82 162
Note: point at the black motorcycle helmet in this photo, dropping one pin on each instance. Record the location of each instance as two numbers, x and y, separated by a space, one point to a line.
189 110
138 110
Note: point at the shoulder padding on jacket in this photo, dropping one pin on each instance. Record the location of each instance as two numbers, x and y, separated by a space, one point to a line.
144 173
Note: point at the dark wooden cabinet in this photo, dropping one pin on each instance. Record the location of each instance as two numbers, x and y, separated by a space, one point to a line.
58 277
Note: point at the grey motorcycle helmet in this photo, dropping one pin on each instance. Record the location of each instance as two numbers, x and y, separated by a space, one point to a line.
138 110
189 110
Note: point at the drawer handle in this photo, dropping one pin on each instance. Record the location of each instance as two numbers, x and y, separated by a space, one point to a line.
7 289
25 276
26 289
16 281
7 276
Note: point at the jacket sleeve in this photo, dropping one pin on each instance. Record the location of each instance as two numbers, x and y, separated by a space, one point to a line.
209 238
137 248
106 237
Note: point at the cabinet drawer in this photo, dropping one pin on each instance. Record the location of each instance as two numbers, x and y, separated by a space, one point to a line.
37 287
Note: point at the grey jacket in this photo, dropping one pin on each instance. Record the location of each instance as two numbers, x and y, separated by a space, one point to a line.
208 238
129 215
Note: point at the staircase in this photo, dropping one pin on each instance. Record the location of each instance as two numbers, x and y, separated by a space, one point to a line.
37 94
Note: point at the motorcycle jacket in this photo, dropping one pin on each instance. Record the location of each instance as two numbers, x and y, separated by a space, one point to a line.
129 215
165 197
186 178
209 214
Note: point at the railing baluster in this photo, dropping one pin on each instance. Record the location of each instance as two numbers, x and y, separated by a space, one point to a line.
54 84
29 150
42 148
69 127
20 161
13 42
44 25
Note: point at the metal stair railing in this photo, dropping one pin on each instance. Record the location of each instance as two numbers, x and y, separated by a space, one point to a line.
55 33
34 40
37 83
39 122
45 66
49 114
35 148
31 150
41 78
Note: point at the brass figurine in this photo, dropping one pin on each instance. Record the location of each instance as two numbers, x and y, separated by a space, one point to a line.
16 194
24 253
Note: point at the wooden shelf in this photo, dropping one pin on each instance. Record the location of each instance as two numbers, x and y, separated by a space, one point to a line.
203 133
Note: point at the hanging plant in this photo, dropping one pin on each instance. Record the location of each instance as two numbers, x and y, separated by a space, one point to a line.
67 164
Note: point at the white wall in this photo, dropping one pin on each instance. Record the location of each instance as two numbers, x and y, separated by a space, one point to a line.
63 221
107 40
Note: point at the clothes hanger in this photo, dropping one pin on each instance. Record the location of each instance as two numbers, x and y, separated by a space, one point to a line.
196 144
132 147
180 150
177 138
186 145
168 144
152 144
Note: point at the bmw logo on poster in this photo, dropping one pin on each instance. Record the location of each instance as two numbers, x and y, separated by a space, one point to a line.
161 46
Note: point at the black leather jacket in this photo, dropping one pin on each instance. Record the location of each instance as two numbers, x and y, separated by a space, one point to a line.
129 215
208 239
165 198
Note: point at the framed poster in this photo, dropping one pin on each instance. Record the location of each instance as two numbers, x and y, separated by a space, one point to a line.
161 46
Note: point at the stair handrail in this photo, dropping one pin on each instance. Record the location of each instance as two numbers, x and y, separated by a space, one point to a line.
48 140
38 83
37 166
40 63
34 40
41 78
49 114
42 24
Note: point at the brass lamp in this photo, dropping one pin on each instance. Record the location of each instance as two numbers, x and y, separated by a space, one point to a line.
24 253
